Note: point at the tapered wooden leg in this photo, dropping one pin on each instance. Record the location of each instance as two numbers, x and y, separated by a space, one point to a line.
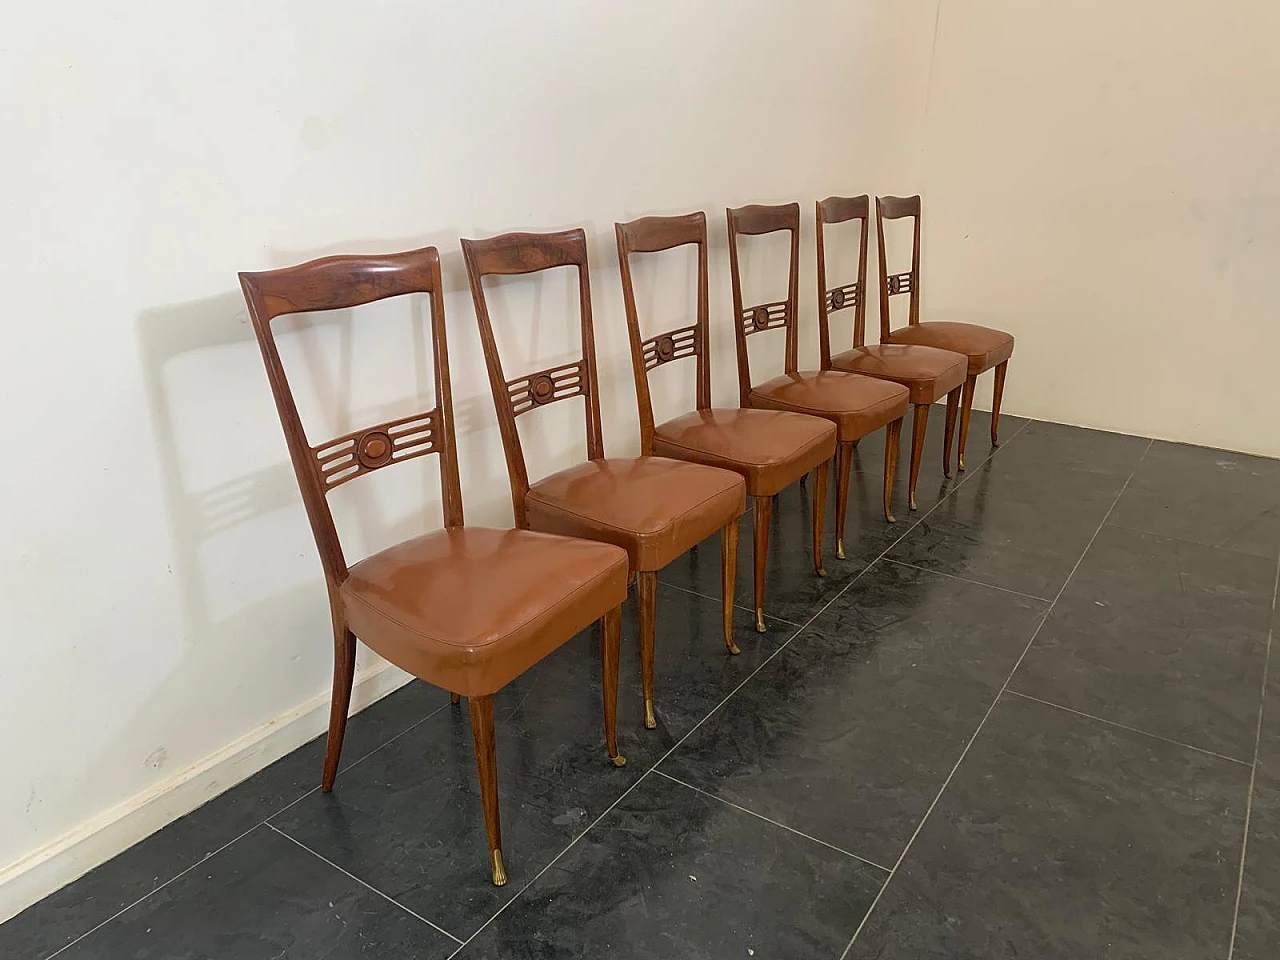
844 466
819 511
996 396
610 644
919 423
953 407
966 408
892 435
344 668
647 600
760 547
803 480
728 579
487 763
455 698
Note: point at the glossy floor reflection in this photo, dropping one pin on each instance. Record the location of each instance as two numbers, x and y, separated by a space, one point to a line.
1026 720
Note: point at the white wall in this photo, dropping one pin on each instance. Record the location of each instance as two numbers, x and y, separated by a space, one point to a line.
1103 180
162 595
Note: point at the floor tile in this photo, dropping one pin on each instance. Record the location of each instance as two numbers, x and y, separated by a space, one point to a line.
1061 448
673 873
262 898
1014 523
850 731
1163 635
109 888
1258 923
1061 838
1214 497
408 819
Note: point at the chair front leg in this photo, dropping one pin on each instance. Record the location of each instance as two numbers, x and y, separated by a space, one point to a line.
487 764
844 466
762 508
728 579
919 424
892 435
819 513
647 601
610 646
996 396
966 408
344 668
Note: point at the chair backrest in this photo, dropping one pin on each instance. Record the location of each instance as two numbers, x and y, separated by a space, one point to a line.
520 253
755 220
895 208
337 283
652 235
831 299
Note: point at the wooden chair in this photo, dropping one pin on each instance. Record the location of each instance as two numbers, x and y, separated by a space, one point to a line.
985 347
465 608
771 449
857 405
653 507
929 373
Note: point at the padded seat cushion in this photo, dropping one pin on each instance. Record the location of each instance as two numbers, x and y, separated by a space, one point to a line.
929 373
652 507
985 347
473 608
769 448
857 405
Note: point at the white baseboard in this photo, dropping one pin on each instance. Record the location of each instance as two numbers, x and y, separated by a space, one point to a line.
100 838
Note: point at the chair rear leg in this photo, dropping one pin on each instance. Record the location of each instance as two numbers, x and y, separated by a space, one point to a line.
647 601
996 396
819 513
919 424
344 668
892 437
487 765
966 408
844 466
610 646
953 407
455 698
763 507
728 579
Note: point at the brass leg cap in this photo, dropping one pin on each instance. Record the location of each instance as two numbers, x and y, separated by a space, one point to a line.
962 462
760 628
619 760
913 502
733 648
822 571
499 871
650 721
890 518
947 473
839 549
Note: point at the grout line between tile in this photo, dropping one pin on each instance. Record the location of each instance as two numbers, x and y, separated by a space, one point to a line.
965 752
716 600
758 816
263 822
1125 726
976 583
800 629
1253 773
362 883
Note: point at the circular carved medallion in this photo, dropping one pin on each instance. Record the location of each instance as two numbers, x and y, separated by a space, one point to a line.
666 348
837 299
374 449
541 389
760 318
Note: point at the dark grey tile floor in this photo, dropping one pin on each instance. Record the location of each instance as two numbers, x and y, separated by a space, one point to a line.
1026 721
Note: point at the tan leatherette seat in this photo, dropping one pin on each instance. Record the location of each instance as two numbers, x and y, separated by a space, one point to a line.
465 608
984 347
652 507
857 405
929 373
770 449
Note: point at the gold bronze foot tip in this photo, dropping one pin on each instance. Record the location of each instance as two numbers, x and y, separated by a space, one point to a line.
822 571
619 760
890 518
733 649
962 463
947 474
650 721
913 503
839 549
499 871
760 628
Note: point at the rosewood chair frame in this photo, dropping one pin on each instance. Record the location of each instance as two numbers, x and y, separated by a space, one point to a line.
891 285
756 220
343 282
653 235
835 210
524 253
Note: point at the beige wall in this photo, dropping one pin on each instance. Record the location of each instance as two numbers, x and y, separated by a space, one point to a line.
1103 180
161 592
